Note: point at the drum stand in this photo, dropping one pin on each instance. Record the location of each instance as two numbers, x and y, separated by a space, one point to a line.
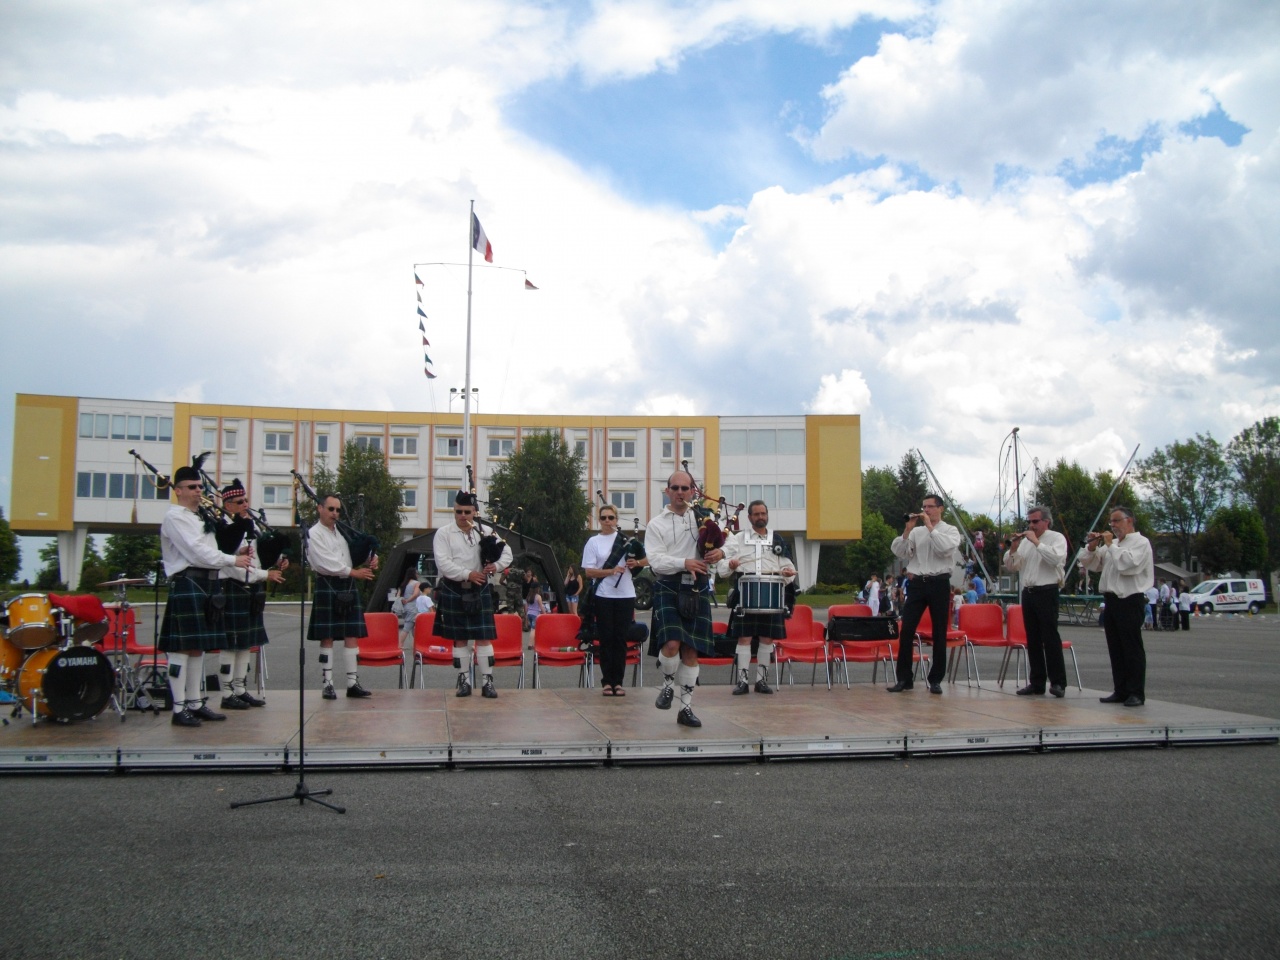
301 792
126 692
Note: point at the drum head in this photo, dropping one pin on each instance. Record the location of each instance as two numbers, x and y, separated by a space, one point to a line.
31 621
71 684
90 632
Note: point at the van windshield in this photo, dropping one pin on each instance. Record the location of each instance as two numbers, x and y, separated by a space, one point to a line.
1203 587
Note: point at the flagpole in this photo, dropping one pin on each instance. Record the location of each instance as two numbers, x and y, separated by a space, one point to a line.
468 462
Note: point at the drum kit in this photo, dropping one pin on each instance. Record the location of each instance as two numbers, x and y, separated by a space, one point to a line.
49 661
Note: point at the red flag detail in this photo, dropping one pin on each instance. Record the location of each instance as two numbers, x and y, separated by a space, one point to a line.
479 242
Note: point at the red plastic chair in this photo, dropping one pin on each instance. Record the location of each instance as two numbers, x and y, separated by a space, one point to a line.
1017 636
508 648
555 644
983 625
805 643
427 649
956 640
718 630
381 648
845 652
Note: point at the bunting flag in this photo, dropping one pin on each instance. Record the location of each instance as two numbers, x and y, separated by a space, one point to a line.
422 328
417 279
420 313
419 296
427 371
528 285
479 242
426 359
426 342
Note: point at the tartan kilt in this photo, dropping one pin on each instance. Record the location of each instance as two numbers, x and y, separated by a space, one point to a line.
668 625
768 626
326 623
453 623
244 630
184 626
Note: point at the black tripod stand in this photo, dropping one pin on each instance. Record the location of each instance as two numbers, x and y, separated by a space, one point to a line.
301 792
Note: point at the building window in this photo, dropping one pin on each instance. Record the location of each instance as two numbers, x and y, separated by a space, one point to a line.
762 442
115 486
791 443
404 446
86 425
84 484
733 443
278 442
149 491
668 449
208 438
409 498
686 449
277 494
133 428
369 442
445 498
229 439
117 426
622 449
580 448
322 443
501 448
448 446
623 499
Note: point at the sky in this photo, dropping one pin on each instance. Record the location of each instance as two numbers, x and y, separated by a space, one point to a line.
949 218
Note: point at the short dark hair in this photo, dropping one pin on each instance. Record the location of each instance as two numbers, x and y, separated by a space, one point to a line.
757 503
937 499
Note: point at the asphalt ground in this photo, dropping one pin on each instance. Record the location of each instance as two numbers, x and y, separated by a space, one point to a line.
1146 852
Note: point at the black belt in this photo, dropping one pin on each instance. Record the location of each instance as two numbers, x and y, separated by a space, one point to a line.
195 573
1127 596
1040 587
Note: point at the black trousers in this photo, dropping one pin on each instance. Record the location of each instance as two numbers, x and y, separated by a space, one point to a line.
1122 620
933 595
613 617
1044 643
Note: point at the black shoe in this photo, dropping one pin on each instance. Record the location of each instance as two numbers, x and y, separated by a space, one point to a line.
487 691
357 692
665 696
204 713
328 692
251 700
900 686
686 718
1030 691
740 688
185 718
464 686
234 702
1057 691
762 686
1135 701
935 688
1113 698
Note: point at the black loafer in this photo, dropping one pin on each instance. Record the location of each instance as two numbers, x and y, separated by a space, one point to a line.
357 692
665 696
899 687
762 686
1057 691
184 718
741 688
488 692
234 702
1030 691
1113 698
251 700
1135 701
464 686
686 718
204 713
935 688
328 692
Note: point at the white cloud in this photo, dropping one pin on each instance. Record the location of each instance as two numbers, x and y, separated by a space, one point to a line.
846 393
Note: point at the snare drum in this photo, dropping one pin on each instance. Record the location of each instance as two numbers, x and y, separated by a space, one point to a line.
762 593
31 621
70 684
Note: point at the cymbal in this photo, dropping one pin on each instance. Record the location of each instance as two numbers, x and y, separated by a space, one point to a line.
136 582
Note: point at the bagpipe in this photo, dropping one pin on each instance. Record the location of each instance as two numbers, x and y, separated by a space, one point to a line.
208 509
709 511
491 545
235 530
362 547
624 547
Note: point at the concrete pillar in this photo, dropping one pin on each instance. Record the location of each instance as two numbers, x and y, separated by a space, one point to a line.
71 544
806 561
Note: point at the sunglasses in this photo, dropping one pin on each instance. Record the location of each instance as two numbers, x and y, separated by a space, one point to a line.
610 519
463 513
679 489
237 501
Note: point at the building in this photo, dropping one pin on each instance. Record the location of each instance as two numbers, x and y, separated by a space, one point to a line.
75 472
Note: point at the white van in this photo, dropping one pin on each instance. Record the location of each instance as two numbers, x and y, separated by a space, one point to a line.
1225 596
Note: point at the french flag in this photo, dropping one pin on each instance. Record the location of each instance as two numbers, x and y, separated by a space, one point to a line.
479 242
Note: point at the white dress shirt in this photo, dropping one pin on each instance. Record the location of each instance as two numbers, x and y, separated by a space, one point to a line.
669 540
928 553
327 552
742 547
457 554
185 543
1040 564
1127 565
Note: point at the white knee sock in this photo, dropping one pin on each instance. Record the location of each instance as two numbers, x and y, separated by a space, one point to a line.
686 680
743 660
326 666
668 667
484 659
178 681
195 663
240 671
462 660
764 656
353 668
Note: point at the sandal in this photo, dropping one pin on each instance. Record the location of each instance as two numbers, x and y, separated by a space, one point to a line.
619 692
607 692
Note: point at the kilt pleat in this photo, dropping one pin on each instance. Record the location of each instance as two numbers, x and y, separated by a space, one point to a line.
454 623
326 621
244 629
184 626
669 626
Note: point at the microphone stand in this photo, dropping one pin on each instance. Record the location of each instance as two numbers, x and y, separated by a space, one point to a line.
301 792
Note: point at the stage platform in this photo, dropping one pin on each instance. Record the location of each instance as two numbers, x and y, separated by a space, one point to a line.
432 728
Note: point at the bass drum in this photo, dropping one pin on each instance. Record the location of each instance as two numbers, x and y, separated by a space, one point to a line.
71 684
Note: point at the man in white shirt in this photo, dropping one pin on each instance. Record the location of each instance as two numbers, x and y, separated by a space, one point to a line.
873 594
336 613
752 552
928 544
1039 555
193 615
1127 569
464 614
681 598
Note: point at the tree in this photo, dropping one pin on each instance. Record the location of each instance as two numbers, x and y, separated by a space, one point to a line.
1255 455
93 571
1075 498
880 495
132 554
10 554
1218 550
871 554
912 488
1187 481
542 481
1245 525
48 577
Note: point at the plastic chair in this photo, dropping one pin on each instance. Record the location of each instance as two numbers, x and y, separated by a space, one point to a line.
508 648
983 626
844 652
555 644
1017 635
805 643
428 650
381 648
956 640
718 629
150 668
